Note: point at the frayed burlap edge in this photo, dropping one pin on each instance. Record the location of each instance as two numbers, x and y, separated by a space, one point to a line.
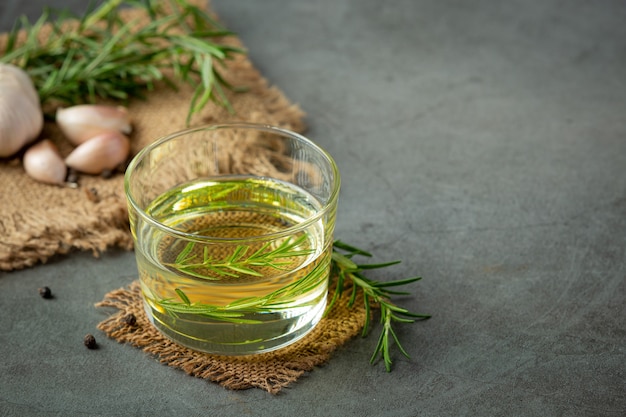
270 371
39 221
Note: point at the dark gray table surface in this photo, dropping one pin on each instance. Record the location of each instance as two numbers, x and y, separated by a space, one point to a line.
482 143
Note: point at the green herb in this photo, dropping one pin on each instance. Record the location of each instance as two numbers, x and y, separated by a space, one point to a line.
99 56
235 311
375 293
239 262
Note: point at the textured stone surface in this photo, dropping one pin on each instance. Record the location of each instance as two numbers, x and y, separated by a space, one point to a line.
483 143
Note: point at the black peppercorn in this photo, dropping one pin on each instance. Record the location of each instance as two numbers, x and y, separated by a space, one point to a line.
130 319
90 341
45 292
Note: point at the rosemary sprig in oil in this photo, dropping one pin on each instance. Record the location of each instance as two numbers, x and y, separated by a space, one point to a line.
235 311
239 261
375 293
100 56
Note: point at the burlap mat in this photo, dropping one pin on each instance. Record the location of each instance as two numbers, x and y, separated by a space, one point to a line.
270 371
38 221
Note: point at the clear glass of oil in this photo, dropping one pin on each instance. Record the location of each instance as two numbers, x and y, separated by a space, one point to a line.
233 228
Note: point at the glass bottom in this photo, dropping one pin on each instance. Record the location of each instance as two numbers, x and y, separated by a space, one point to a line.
271 331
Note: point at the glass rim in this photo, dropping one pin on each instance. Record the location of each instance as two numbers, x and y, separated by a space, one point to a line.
130 169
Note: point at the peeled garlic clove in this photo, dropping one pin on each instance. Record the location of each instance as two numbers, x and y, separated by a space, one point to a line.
43 163
21 117
84 121
103 152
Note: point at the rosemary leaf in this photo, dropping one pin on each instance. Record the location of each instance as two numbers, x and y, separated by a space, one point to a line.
182 256
338 244
378 266
397 282
183 296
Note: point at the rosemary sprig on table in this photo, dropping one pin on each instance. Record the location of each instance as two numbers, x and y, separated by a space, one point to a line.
99 56
238 262
375 293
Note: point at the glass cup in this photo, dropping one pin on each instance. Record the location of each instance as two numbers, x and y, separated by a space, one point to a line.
233 229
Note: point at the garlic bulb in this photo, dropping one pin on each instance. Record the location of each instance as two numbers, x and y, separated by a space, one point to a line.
103 152
82 122
21 117
43 162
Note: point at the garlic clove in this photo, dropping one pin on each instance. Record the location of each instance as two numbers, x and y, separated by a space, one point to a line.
84 121
21 117
103 152
43 163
